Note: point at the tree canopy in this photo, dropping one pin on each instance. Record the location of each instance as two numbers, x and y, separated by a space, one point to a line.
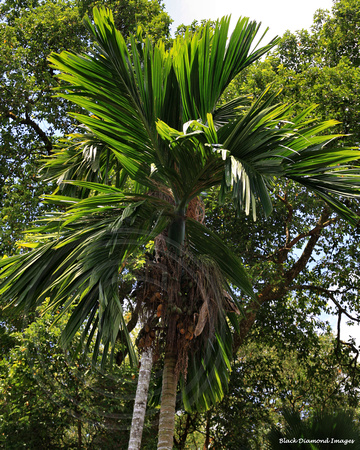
295 257
31 119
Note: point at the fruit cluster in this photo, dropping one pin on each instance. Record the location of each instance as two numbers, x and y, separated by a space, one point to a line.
147 337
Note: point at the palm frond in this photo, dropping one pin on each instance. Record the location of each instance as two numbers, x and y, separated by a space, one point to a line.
83 157
202 241
206 63
84 265
208 372
228 111
196 143
269 141
125 90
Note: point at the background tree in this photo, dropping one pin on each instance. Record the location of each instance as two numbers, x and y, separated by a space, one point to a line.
340 243
263 142
49 399
150 15
269 377
319 66
31 119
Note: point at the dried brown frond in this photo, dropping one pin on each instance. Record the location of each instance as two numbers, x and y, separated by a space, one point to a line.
196 209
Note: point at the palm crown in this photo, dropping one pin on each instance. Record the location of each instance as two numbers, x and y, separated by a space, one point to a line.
154 138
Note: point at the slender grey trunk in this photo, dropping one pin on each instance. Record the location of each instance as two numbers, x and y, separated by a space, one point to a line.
142 390
168 403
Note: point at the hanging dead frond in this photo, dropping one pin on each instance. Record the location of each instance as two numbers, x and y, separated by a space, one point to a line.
196 209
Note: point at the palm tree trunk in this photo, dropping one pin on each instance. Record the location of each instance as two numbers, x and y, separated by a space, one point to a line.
142 390
176 237
168 401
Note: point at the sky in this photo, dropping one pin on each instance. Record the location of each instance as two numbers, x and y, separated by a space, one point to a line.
278 15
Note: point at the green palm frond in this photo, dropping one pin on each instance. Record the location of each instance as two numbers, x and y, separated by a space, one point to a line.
228 111
269 141
207 62
108 87
202 241
128 89
82 156
82 264
153 138
196 143
332 174
134 92
208 372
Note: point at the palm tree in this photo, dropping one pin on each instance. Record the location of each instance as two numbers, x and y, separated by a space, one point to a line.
154 139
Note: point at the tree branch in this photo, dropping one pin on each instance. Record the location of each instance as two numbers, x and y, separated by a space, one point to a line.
314 234
330 293
289 244
28 121
279 289
341 310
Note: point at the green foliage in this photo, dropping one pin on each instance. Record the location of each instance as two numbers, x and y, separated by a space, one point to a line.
131 14
284 362
319 66
340 33
105 205
271 376
195 26
27 415
29 116
50 400
127 91
31 119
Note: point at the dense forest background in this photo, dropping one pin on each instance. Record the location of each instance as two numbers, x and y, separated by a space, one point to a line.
303 260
